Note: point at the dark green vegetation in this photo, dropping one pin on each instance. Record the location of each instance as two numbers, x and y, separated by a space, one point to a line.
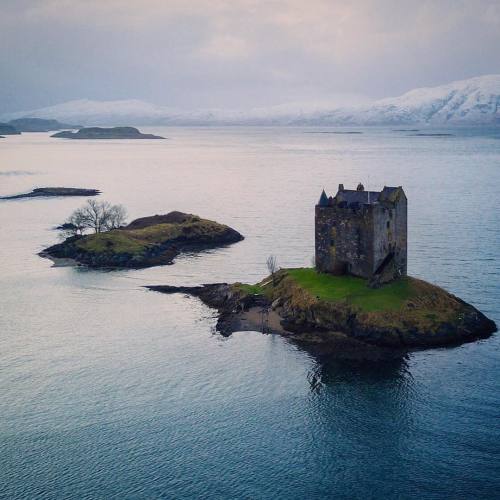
321 308
145 242
39 125
106 133
6 129
54 191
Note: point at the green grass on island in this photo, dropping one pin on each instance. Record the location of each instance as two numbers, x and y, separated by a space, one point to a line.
346 288
251 289
354 290
115 241
136 241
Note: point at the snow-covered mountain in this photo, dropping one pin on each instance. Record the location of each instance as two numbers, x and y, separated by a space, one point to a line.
475 101
124 112
136 112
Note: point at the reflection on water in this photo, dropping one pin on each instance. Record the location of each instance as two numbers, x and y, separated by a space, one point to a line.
328 371
110 391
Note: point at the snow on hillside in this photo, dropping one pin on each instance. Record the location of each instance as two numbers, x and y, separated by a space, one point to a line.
475 101
90 112
136 112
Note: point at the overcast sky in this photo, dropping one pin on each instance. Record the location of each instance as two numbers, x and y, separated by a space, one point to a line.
238 53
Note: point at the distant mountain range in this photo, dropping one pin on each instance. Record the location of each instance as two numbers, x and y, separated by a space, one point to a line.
475 101
16 126
39 125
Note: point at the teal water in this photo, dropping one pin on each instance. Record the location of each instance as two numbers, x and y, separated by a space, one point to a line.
110 391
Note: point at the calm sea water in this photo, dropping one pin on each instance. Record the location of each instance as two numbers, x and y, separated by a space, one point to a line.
110 391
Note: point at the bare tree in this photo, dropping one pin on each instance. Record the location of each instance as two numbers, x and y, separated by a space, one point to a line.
74 225
96 216
77 219
115 217
92 214
272 266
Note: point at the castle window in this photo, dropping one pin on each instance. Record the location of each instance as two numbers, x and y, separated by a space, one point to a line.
332 242
388 224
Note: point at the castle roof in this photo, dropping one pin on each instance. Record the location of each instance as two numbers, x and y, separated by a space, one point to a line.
323 200
354 196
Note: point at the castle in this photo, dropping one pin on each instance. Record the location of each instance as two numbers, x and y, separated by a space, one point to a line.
362 233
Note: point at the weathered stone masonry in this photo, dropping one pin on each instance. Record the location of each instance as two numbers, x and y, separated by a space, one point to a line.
363 233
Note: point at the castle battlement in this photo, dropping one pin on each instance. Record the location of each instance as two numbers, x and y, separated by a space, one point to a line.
363 233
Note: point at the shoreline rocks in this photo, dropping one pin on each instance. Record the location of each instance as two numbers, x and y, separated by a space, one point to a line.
432 317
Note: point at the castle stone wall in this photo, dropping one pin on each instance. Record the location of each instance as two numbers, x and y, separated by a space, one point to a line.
344 240
363 241
384 233
402 235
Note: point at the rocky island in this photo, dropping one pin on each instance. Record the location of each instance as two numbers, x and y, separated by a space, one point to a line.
319 308
145 242
53 191
106 133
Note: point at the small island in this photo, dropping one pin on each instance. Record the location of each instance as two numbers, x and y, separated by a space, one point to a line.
53 191
319 308
106 133
431 134
28 124
145 242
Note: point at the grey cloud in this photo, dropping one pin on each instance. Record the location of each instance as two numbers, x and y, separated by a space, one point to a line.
245 53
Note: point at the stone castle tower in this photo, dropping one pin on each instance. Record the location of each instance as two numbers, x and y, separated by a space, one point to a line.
363 233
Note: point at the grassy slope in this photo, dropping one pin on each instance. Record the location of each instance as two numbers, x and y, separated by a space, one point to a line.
250 289
354 290
136 241
329 288
408 296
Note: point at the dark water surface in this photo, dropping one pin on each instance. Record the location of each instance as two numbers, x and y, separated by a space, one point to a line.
110 391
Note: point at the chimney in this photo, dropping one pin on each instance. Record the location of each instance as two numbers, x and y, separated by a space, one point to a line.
341 187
